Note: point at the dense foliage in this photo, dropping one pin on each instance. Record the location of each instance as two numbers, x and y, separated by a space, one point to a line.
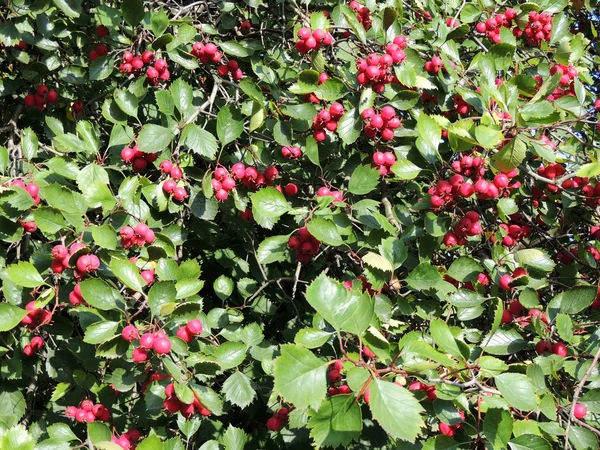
268 224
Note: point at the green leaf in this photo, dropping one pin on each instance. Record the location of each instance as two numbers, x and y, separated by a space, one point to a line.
128 274
234 438
101 68
98 432
350 126
25 274
337 422
199 140
345 310
511 155
535 259
223 287
10 316
396 410
488 137
517 390
363 180
61 431
49 220
104 236
300 377
17 438
29 143
127 102
100 332
325 231
378 262
269 202
312 337
230 125
529 442
405 170
503 342
159 22
230 354
100 295
441 334
464 269
161 294
154 138
152 442
502 55
572 301
12 405
424 277
430 133
238 390
133 13
272 249
71 8
498 427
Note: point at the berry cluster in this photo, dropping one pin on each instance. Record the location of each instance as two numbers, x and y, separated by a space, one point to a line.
78 108
309 41
327 119
460 106
334 375
134 64
42 98
467 226
450 430
376 69
127 440
206 52
291 152
170 185
222 183
36 316
558 348
384 162
34 345
305 245
327 192
233 68
137 158
491 27
538 29
159 342
252 178
158 72
188 331
363 14
32 189
312 98
99 50
514 233
278 420
84 264
434 65
568 73
289 189
429 391
88 412
383 123
142 234
174 405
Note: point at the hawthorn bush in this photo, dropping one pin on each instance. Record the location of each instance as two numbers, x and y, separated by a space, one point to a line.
269 224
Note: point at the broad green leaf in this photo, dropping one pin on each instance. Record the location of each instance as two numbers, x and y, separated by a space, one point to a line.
300 377
154 138
128 274
345 310
325 231
25 274
517 390
337 422
100 295
363 180
396 410
199 141
10 316
238 389
230 354
230 125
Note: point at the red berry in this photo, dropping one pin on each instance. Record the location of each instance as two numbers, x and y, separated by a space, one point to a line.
579 411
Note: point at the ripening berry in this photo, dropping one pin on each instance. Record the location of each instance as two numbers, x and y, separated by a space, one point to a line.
130 333
579 411
162 345
194 326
